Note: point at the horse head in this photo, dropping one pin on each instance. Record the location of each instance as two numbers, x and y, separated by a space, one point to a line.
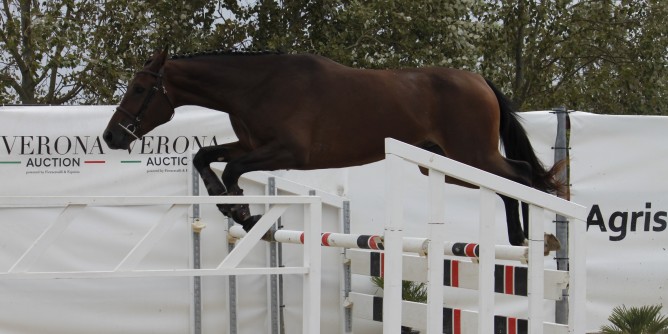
144 106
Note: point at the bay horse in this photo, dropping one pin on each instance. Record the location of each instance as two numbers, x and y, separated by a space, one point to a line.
302 111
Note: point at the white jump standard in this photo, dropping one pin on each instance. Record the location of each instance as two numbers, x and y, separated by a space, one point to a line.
398 153
532 281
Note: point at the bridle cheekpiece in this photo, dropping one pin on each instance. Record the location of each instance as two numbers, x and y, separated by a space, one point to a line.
137 118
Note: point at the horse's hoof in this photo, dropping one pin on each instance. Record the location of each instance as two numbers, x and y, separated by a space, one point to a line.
248 224
224 209
551 244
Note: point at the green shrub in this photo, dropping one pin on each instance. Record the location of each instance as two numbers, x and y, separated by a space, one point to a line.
410 291
636 320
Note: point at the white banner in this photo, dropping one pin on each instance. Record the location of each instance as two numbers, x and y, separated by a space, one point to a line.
618 166
60 150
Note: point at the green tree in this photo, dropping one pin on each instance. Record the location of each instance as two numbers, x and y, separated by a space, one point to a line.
624 54
83 52
600 56
370 34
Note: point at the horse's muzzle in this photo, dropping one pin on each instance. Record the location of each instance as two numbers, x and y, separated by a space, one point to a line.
115 140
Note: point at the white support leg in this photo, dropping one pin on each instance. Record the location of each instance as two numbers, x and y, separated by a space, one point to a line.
312 260
577 289
251 239
393 247
47 238
154 235
486 262
536 268
436 248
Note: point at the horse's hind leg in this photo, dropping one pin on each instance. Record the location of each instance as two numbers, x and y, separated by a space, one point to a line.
520 171
551 242
516 236
510 169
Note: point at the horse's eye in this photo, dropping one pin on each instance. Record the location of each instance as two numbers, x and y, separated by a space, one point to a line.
139 89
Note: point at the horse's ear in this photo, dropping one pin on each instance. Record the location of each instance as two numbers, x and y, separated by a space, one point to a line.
162 57
164 53
157 61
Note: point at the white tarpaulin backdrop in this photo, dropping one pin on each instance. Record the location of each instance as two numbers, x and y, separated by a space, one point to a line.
618 167
615 167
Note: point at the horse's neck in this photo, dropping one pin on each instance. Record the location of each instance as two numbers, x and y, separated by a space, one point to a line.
221 83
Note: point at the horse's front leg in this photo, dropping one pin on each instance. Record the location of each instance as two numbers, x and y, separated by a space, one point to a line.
268 157
240 212
214 185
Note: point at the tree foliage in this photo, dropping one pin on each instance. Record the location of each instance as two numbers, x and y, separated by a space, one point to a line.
598 56
595 55
82 52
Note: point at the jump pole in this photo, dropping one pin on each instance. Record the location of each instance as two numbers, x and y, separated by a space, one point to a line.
418 246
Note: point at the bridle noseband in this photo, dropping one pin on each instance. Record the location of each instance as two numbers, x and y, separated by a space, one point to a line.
137 118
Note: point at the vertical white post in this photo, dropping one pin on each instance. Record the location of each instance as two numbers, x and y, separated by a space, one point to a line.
486 262
436 248
577 287
245 245
393 247
536 268
312 260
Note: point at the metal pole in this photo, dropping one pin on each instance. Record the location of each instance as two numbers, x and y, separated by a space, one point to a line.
561 153
274 295
232 288
197 281
347 277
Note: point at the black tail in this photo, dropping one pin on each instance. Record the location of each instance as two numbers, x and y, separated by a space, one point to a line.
518 147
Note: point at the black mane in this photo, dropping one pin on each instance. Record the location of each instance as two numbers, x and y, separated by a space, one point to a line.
227 52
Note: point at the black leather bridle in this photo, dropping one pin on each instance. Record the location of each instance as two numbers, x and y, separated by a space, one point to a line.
137 118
